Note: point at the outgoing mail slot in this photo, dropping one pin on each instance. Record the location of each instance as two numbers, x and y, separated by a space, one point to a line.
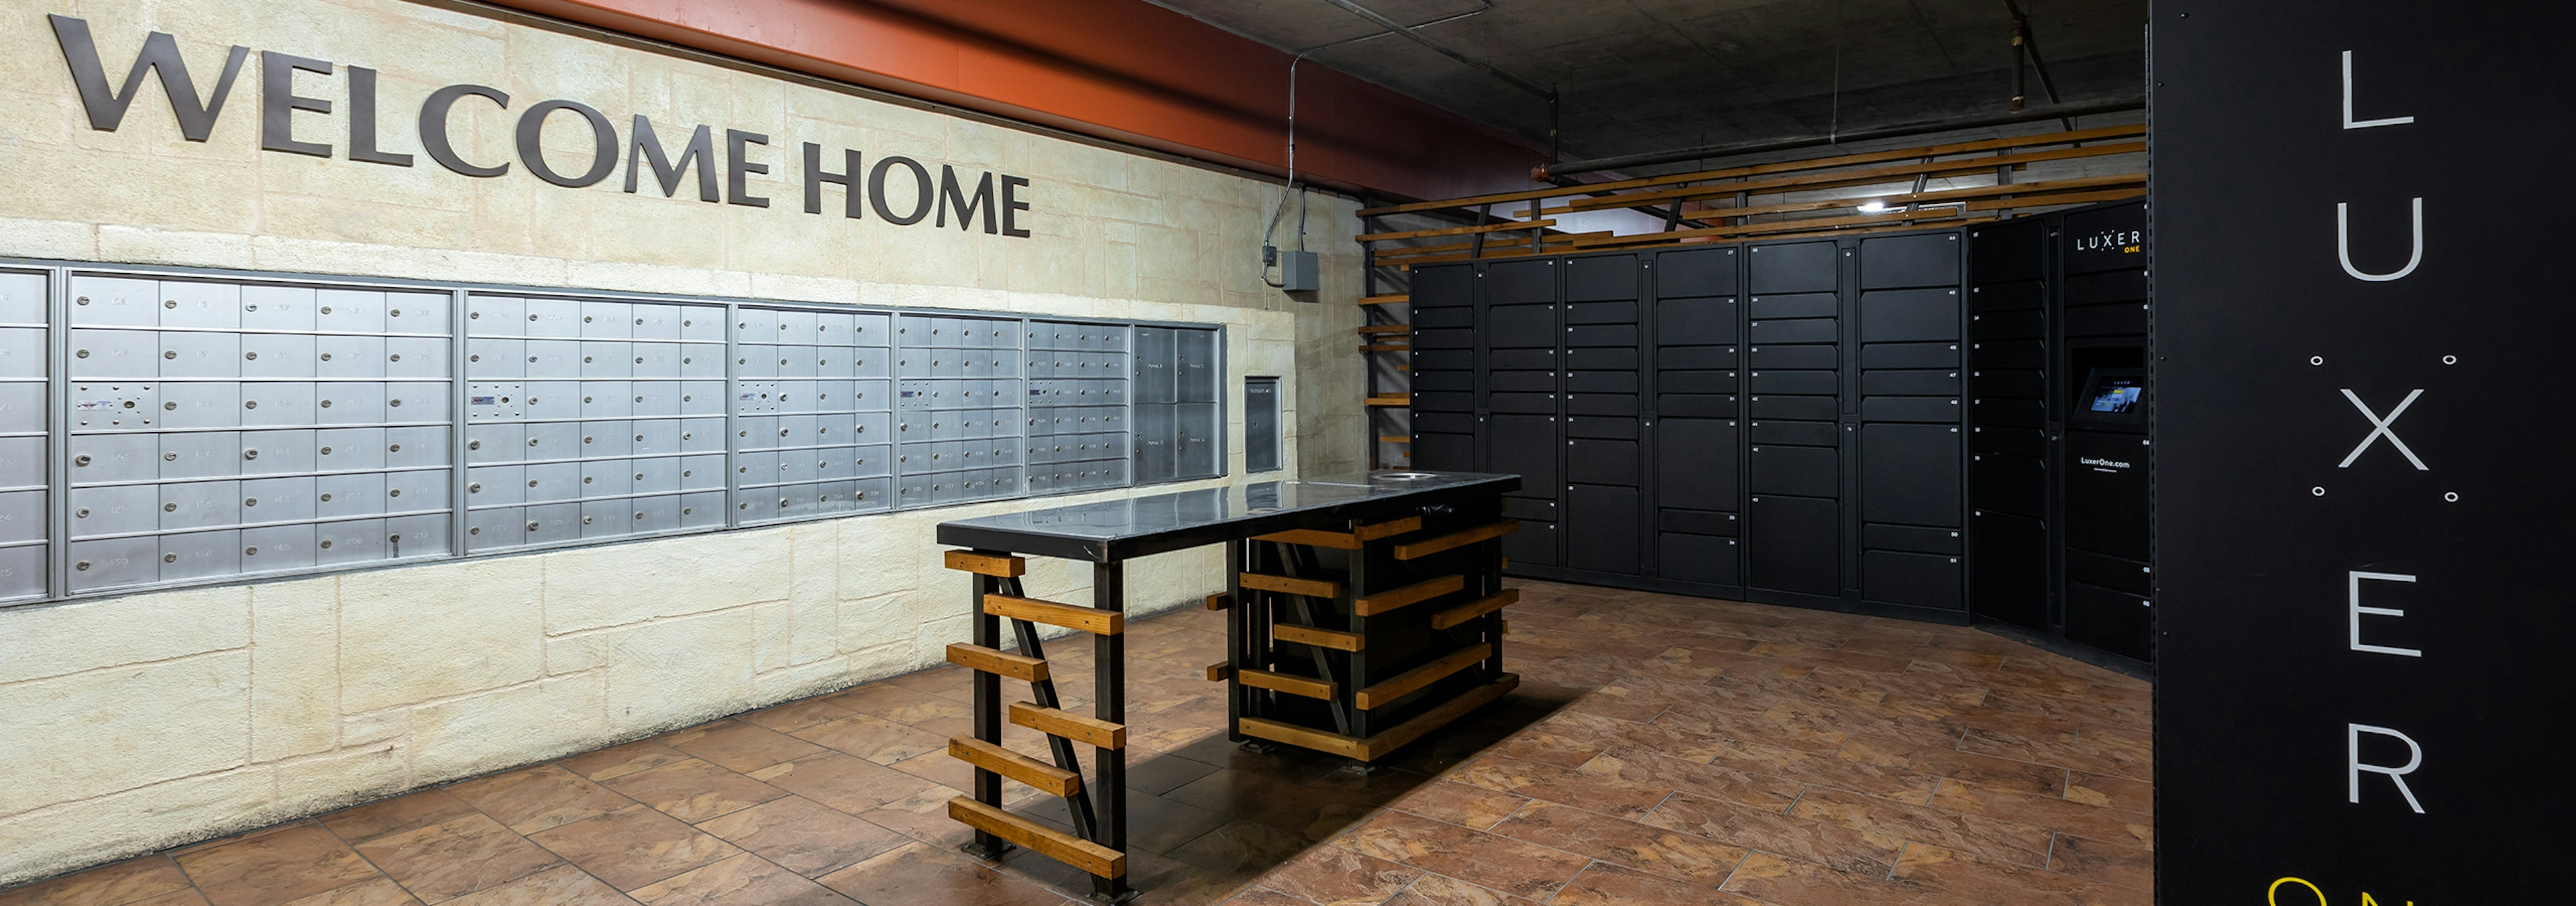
335 496
353 541
552 481
657 475
702 360
656 322
607 478
352 449
349 357
486 359
349 403
601 320
116 300
276 547
200 504
418 535
110 564
115 510
553 440
277 355
123 354
553 359
206 404
277 500
198 555
553 523
413 492
656 437
349 311
656 360
281 452
416 357
607 399
545 400
420 446
611 360
611 438
419 401
100 458
495 529
417 313
203 454
276 308
200 355
552 318
698 473
488 485
276 403
495 443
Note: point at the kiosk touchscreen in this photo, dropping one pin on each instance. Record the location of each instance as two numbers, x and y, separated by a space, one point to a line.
2112 396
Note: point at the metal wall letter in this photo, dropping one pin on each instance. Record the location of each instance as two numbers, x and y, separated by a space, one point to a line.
362 120
2353 580
603 154
433 127
2396 775
278 102
2343 245
2347 103
2379 429
161 56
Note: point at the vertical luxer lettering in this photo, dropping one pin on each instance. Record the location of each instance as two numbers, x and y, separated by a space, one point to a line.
160 55
2396 775
2343 244
2348 122
848 179
2353 580
362 120
738 170
278 102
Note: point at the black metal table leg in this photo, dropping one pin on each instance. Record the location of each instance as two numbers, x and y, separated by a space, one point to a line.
988 709
1109 694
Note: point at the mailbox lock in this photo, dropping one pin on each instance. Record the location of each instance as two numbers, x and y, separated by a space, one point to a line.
250 454
326 497
474 315
639 514
639 399
532 482
169 353
252 551
687 510
169 508
326 404
585 399
586 479
253 356
585 319
326 357
84 300
473 445
639 360
396 357
396 492
169 457
477 530
326 544
326 451
397 401
585 360
170 406
585 520
81 460
326 309
532 441
251 501
83 513
396 313
250 404
585 438
639 437
474 488
83 354
532 526
477 357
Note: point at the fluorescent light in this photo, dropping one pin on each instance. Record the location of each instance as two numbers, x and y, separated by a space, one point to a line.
1873 206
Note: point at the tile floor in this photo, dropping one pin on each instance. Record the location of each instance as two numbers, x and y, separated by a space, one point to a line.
1661 749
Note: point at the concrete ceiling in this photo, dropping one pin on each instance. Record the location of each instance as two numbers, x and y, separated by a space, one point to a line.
1648 75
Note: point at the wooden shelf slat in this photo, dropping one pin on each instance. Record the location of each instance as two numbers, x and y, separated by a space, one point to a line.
1415 593
1037 774
1281 682
1220 601
1374 747
1388 529
1473 609
1217 672
1456 539
1087 619
1388 299
1391 399
1313 588
1387 347
1386 328
994 660
1343 541
1399 685
1058 722
1495 227
1091 857
1395 438
1320 638
987 564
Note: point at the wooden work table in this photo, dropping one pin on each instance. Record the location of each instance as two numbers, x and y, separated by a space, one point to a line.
1362 612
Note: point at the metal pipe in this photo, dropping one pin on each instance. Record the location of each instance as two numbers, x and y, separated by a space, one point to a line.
2024 42
1443 49
1899 130
1444 20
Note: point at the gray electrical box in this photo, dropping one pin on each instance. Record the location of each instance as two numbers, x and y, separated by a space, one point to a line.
1297 272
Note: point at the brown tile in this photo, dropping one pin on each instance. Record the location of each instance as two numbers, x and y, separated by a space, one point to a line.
2060 749
275 867
1789 882
1607 793
1440 890
798 715
1333 876
1261 896
1603 884
533 799
1241 848
1831 845
107 885
2111 792
694 790
1655 850
2053 813
456 857
905 706
1539 745
1705 720
633 846
1666 773
844 782
875 739
948 682
745 747
803 837
401 813
1971 879
2109 863
742 879
379 892
1941 761
190 897
922 816
1275 799
1500 863
1889 823
1160 773
1459 803
619 761
919 874
559 886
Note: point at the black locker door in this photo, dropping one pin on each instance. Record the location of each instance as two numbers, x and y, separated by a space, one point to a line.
1523 427
1443 372
1793 526
1604 455
1698 430
1909 472
2008 329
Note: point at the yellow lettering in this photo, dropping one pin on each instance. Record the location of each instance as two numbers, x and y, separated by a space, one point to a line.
2273 896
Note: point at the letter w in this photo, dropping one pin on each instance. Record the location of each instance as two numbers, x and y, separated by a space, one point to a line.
161 56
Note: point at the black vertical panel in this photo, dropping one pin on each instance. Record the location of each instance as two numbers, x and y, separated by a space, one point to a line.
1695 273
1523 431
2010 577
1795 544
2009 552
1922 259
1601 529
1909 474
1695 464
1797 267
1794 356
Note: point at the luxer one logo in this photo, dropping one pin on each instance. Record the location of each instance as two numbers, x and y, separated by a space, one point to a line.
2124 241
2105 463
900 190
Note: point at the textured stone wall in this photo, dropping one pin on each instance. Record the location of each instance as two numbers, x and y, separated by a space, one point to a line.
148 720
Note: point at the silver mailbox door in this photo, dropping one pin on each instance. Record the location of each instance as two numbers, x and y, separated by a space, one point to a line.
277 355
656 514
613 478
702 398
655 399
277 547
277 308
336 496
656 322
752 362
424 313
413 492
349 310
190 303
607 399
495 528
348 357
553 440
612 438
702 322
872 494
548 400
200 504
496 358
116 354
279 452
202 404
553 523
416 357
553 318
22 516
553 359
350 449
277 500
279 403
416 402
602 320
607 360
660 475
490 485
23 299
349 403
114 457
197 555
354 541
416 447
115 300
22 352
702 360
700 473
606 519
420 535
654 437
495 443
702 435
201 355
497 315
114 563
702 511
204 454
553 481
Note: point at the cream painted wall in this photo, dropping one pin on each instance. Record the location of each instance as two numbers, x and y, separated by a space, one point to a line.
144 721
